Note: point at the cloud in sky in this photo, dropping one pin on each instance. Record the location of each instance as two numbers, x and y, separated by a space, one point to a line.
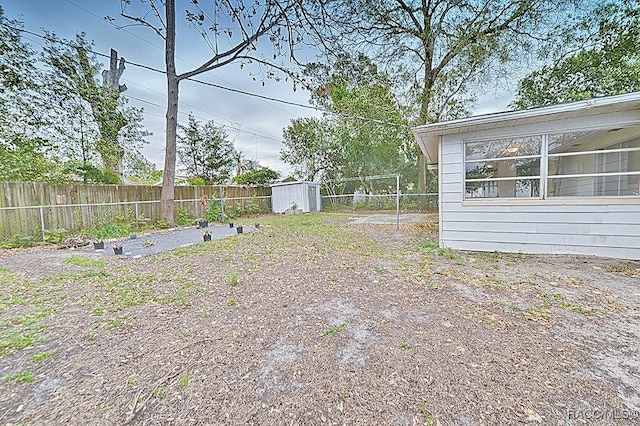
254 124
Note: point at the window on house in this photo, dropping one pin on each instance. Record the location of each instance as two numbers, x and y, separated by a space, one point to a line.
503 168
601 163
594 164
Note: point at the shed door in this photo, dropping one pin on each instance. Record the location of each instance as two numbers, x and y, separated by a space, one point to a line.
313 200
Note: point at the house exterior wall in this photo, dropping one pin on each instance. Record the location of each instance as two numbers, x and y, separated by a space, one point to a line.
578 225
283 196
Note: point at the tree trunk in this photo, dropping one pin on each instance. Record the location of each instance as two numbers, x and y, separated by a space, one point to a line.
424 119
422 178
166 209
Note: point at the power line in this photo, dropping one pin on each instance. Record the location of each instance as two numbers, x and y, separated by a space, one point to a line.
243 92
121 28
201 118
231 125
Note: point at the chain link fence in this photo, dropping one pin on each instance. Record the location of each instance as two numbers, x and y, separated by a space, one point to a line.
372 202
49 223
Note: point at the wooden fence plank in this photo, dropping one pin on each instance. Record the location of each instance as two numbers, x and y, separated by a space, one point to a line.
76 207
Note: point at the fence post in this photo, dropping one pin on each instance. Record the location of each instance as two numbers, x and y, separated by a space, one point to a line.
42 222
397 202
221 201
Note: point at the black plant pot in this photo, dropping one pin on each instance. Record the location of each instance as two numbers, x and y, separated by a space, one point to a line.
230 224
117 250
239 229
203 223
98 245
206 237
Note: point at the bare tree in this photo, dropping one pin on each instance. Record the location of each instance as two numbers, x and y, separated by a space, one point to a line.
242 24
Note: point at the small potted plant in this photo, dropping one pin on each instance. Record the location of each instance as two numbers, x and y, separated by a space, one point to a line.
206 236
239 229
117 248
257 225
98 243
203 223
230 224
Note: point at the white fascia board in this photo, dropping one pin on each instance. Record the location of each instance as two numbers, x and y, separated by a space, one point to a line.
622 102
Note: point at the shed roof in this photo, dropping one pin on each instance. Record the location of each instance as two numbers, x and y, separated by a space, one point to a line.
428 135
297 182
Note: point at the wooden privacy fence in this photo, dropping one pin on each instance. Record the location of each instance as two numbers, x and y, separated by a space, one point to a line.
30 208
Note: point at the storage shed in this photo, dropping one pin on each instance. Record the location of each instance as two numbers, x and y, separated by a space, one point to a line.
304 196
558 179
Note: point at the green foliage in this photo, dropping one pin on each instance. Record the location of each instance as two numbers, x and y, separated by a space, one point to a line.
197 181
366 133
183 218
261 176
23 377
214 212
433 247
335 329
107 230
205 151
41 356
18 241
608 66
84 261
55 236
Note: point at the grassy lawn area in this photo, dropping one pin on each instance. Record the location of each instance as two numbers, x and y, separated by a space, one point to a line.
315 320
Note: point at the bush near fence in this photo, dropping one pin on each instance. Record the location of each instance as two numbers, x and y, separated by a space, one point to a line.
26 208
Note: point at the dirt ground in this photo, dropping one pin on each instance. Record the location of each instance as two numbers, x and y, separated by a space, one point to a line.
316 319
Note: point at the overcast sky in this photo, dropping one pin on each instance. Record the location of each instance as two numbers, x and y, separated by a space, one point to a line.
255 125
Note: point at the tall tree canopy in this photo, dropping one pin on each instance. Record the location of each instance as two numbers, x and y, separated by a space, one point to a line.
363 133
23 148
443 49
603 59
206 152
93 100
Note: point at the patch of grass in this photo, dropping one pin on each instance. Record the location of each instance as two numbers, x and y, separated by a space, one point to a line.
24 377
184 380
93 273
231 302
18 241
84 261
432 247
577 308
159 392
539 313
126 291
41 356
116 322
23 331
405 345
428 419
488 320
233 279
335 329
131 381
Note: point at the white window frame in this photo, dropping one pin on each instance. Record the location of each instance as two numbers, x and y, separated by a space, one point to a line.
544 170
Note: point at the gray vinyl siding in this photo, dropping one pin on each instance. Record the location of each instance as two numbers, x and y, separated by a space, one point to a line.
537 226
